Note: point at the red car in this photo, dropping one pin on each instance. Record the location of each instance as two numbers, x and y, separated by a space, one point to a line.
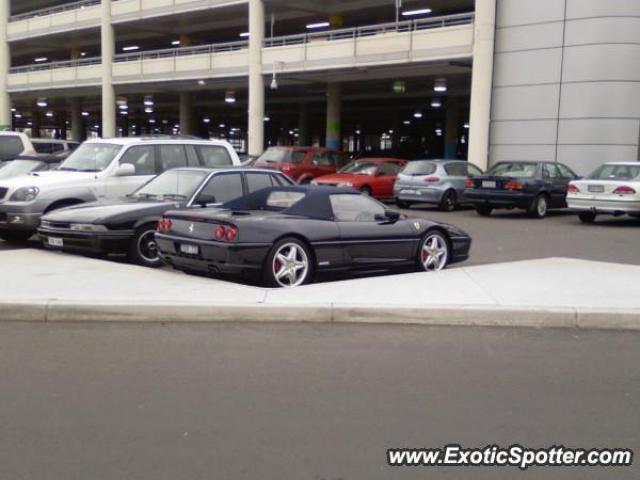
372 176
302 164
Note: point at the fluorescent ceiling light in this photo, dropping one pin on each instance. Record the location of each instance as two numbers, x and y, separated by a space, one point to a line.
407 122
18 115
466 125
85 114
245 34
49 114
421 11
440 85
436 103
176 43
267 119
311 26
40 59
418 115
130 48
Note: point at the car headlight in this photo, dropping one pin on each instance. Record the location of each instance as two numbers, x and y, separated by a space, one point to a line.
87 227
25 194
345 184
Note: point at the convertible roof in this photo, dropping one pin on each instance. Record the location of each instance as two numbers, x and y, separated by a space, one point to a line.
315 204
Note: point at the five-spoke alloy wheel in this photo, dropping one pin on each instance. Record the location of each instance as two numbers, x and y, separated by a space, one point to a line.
434 252
288 264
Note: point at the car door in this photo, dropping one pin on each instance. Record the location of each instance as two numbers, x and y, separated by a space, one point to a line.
323 163
143 160
384 180
556 184
568 175
367 238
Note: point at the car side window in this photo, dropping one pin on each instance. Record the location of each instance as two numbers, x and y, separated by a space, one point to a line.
192 156
388 169
355 208
214 156
322 159
473 171
566 172
258 181
173 156
281 180
551 171
221 189
142 158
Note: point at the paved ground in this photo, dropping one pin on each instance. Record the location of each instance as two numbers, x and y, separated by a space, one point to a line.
511 235
304 401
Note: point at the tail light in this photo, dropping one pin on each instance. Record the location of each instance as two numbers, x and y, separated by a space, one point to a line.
513 185
164 225
226 233
432 179
624 190
571 188
468 183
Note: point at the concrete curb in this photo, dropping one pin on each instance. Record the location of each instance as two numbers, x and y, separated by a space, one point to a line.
454 315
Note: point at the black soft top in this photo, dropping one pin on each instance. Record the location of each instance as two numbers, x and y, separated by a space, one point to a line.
315 204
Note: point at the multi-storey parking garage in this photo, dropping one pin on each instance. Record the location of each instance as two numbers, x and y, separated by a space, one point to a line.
484 80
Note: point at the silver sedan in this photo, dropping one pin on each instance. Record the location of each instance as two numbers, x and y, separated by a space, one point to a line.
436 182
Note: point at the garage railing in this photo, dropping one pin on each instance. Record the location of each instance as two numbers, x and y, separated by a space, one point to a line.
300 39
53 10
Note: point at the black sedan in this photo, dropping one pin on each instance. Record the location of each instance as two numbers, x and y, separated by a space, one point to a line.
288 234
128 226
532 186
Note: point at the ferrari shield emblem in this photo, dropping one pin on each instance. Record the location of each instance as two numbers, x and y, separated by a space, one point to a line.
417 226
191 228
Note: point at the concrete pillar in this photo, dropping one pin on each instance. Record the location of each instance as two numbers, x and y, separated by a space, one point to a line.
481 81
76 119
5 63
186 114
108 91
334 113
452 122
303 124
256 82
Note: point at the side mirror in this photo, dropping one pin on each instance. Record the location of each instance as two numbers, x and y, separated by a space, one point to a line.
393 215
125 170
205 199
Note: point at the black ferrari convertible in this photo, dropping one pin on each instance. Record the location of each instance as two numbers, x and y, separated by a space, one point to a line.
288 234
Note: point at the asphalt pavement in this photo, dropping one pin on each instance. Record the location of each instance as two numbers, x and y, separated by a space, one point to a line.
296 401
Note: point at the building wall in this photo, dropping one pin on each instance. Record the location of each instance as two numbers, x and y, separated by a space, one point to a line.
566 82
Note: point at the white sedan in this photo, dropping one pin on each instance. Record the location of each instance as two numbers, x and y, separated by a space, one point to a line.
613 189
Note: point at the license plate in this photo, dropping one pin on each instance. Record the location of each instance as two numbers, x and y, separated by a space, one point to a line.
55 242
487 184
596 188
409 192
189 249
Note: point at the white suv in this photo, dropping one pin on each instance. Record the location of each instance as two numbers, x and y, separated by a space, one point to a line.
14 144
100 169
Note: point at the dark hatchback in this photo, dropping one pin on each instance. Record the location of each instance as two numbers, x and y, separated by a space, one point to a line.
128 226
532 186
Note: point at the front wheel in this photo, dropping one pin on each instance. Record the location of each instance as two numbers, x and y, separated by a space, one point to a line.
288 264
434 253
144 249
539 207
587 217
449 201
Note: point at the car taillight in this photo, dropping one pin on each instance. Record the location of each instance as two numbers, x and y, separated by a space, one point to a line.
624 190
571 188
164 225
285 168
468 183
228 233
220 232
513 185
432 179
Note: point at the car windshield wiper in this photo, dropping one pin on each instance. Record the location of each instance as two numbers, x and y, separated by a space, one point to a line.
174 196
144 195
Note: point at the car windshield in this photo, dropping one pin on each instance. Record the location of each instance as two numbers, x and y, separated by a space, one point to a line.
612 172
361 168
91 157
420 167
21 167
172 185
282 155
514 169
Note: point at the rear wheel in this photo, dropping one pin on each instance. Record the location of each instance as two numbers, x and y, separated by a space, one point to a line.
16 237
289 264
144 249
539 207
403 204
587 217
484 211
449 201
434 252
